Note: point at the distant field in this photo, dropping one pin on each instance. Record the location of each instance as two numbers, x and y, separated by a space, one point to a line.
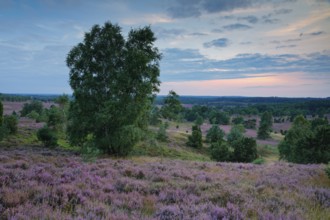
9 107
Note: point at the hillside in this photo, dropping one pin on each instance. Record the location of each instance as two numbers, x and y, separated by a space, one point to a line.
37 183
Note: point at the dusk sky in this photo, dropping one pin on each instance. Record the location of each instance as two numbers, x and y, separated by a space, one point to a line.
209 47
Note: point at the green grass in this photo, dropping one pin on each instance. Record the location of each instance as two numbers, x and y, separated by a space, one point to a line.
268 153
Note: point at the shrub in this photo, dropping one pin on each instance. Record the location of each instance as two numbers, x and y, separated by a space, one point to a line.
245 150
33 115
235 133
238 120
10 124
195 139
214 134
161 134
220 151
33 106
259 161
327 170
47 137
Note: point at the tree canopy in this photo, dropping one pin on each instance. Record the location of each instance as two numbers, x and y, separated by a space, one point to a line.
172 106
113 81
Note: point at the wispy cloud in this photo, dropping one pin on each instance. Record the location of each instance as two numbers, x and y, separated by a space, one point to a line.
236 26
221 42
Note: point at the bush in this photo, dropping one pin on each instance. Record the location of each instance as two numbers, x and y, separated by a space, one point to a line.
245 150
236 133
259 161
10 123
33 106
220 151
304 145
195 139
238 120
214 134
161 134
327 170
47 137
89 152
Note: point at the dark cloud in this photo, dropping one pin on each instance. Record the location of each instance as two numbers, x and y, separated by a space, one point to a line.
292 40
185 9
286 46
275 42
217 30
317 33
194 8
225 5
282 11
191 65
221 42
251 19
236 26
198 34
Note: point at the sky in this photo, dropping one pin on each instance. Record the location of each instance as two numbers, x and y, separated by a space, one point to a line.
209 47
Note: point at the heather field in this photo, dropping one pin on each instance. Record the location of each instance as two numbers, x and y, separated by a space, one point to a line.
39 183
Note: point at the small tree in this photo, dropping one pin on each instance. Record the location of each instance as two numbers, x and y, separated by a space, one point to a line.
33 106
10 123
236 133
214 134
47 136
238 120
1 113
199 120
161 134
245 150
172 106
195 139
220 151
265 127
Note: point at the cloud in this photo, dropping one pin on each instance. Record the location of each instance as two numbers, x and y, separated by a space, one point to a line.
282 11
198 34
183 65
217 30
221 42
317 33
236 26
162 33
251 19
195 8
184 9
246 43
286 46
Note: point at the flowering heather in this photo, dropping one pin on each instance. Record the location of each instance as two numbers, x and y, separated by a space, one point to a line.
38 183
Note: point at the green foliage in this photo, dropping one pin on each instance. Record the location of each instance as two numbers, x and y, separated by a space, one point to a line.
47 136
199 120
172 106
265 126
89 153
220 151
238 120
154 117
245 150
1 113
304 145
219 117
195 139
259 161
327 170
250 123
113 82
161 134
215 134
236 133
62 100
318 122
55 117
10 124
33 106
33 115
